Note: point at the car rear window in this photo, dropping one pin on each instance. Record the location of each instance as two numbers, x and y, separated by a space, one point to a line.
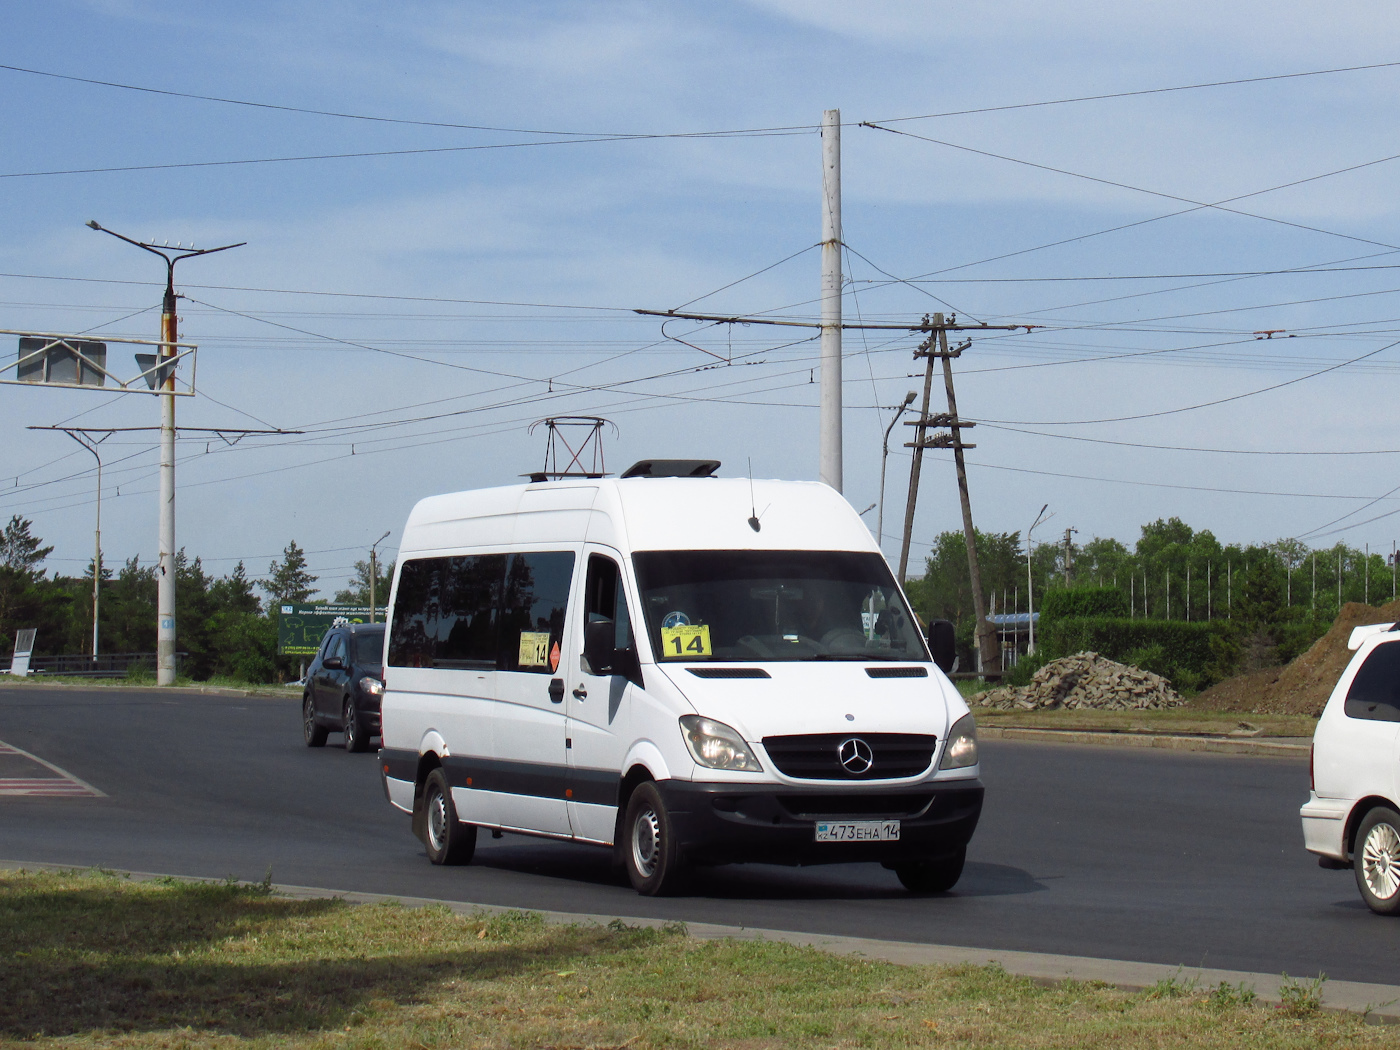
1375 691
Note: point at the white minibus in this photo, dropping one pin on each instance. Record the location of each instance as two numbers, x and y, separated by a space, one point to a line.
688 669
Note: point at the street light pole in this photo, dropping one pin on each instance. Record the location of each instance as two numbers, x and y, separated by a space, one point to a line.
1030 582
374 573
884 455
91 445
165 379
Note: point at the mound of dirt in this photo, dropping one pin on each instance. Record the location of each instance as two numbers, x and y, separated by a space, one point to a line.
1086 680
1301 688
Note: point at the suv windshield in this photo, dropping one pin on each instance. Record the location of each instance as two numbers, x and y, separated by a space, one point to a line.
760 606
369 648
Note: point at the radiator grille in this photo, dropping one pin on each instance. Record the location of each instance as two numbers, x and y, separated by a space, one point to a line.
816 756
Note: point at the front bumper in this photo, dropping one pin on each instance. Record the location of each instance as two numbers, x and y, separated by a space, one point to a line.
727 823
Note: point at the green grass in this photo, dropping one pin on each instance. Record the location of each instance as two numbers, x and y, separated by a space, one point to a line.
93 960
146 679
1172 720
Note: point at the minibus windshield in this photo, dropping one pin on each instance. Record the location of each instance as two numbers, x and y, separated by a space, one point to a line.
762 606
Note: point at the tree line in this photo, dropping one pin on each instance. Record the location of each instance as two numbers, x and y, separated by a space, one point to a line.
226 625
1265 602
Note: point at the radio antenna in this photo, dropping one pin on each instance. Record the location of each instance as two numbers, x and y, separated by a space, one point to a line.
753 507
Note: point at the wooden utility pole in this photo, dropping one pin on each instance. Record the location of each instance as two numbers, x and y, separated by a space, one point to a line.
987 645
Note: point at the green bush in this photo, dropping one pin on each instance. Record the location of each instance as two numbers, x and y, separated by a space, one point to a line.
1066 602
1174 649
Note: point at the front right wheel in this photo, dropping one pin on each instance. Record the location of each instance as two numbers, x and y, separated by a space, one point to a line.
652 854
1377 860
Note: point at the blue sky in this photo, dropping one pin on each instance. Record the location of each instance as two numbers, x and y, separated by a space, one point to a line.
497 283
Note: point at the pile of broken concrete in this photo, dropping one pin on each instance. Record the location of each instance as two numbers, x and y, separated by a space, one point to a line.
1085 680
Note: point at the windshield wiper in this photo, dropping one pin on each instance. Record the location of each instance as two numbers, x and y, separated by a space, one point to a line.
857 657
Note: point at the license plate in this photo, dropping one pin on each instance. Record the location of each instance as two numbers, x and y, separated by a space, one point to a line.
858 831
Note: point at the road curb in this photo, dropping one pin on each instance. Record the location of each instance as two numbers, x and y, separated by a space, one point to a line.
1376 1003
187 690
1166 741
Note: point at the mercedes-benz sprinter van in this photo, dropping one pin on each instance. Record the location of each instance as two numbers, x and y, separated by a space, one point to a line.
688 669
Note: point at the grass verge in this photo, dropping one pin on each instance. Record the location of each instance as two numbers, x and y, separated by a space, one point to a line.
94 960
1174 720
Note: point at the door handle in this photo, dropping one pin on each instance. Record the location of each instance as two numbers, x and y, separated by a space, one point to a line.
580 693
556 691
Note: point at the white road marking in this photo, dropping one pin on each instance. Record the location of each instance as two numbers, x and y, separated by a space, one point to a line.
62 784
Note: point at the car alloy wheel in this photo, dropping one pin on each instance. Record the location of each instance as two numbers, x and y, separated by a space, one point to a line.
1380 861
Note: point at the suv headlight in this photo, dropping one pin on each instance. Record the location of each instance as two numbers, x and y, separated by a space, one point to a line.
372 686
717 745
960 749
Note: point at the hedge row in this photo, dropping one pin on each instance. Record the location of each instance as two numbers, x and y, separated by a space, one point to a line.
1065 602
1176 649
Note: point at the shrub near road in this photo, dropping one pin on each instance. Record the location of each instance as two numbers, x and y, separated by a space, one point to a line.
90 960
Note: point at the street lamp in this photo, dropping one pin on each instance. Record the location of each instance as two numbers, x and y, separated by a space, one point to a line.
169 336
884 455
1030 580
374 572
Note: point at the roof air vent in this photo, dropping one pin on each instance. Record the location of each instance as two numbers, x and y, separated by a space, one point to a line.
672 468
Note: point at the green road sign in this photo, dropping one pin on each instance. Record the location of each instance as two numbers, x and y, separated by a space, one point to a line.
300 628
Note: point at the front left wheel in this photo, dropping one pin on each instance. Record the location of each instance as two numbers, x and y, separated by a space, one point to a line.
356 737
448 840
932 876
1377 860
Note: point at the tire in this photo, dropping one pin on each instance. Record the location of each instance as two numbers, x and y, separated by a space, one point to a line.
651 853
356 738
932 876
314 733
1377 863
448 840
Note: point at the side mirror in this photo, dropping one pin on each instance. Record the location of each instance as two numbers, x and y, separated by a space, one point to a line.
333 663
942 642
600 651
598 637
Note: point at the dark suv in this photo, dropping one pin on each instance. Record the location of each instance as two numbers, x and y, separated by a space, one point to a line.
344 686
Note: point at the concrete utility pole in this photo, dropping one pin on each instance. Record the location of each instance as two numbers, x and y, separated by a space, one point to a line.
165 381
1069 554
831 404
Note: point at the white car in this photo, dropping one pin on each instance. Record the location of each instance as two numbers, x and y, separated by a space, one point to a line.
1352 817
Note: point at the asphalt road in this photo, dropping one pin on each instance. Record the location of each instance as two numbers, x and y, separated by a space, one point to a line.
1167 857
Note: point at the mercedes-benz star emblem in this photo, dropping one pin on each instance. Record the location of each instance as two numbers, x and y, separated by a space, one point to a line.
855 755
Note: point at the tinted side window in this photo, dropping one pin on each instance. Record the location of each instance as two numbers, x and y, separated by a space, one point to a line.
468 627
607 599
413 640
1375 691
532 619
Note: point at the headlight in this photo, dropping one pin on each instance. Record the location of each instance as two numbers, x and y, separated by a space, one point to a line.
717 745
960 749
372 686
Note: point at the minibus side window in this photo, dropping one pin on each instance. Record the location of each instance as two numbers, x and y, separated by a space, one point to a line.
533 606
411 644
469 621
446 612
1375 691
607 599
